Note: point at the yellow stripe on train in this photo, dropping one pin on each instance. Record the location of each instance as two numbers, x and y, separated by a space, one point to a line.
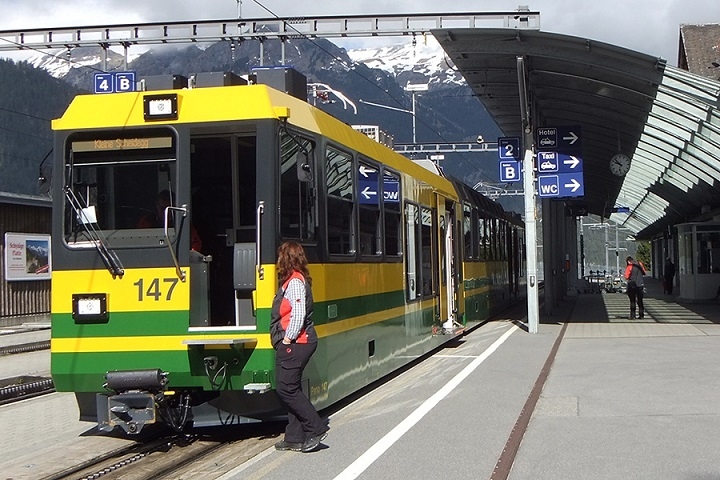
140 289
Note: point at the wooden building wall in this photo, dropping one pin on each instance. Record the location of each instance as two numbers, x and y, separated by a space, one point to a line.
23 214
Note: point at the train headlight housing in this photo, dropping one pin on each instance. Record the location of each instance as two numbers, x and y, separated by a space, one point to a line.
160 107
90 308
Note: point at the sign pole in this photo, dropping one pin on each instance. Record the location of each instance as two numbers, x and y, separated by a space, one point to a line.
533 318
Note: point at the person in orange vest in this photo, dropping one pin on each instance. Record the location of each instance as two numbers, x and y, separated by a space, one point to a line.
294 338
635 286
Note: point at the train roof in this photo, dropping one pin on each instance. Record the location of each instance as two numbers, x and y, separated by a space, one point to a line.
235 103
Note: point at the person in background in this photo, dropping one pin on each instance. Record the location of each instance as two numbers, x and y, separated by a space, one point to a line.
295 340
157 219
635 286
668 275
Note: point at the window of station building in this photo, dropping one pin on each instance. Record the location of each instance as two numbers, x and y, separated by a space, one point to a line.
369 199
392 215
340 202
298 218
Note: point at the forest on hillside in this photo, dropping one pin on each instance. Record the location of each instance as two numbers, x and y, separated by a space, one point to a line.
29 99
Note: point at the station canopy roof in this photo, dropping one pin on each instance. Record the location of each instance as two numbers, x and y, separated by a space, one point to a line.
665 119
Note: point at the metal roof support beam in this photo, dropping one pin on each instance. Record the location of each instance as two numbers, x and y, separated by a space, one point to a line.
533 318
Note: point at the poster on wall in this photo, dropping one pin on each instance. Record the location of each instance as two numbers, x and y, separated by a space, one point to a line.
27 256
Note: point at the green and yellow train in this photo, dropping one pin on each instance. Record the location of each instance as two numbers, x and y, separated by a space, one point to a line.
149 326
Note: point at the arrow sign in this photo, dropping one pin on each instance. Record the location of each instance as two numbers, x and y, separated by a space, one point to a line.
570 163
367 193
573 185
571 138
366 171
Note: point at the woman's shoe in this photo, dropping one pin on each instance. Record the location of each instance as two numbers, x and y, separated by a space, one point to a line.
294 446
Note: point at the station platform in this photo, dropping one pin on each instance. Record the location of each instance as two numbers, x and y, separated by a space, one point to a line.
592 395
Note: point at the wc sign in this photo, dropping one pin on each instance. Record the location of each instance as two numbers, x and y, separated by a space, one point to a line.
115 82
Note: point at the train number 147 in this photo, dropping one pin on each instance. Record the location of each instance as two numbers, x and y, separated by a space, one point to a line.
154 289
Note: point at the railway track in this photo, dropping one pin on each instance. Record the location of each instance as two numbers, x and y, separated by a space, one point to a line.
192 455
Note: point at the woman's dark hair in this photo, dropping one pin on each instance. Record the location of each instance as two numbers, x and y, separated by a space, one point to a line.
291 257
629 259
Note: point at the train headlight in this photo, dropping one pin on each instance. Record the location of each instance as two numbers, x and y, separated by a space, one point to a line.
90 308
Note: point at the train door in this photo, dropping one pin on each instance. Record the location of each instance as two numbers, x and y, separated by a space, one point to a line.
223 187
449 288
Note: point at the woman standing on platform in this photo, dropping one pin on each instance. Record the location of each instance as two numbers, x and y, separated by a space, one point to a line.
295 340
635 285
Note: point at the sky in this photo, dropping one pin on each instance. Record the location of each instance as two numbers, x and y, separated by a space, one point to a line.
647 26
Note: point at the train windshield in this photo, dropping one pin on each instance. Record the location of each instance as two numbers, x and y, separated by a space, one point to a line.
117 188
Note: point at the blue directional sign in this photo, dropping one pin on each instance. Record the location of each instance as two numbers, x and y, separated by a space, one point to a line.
559 139
547 162
508 148
547 138
561 185
391 191
125 81
569 163
568 139
104 83
509 171
368 192
559 162
114 82
369 187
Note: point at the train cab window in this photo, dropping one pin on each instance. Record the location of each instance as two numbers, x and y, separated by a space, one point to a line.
340 202
113 185
392 215
369 199
298 217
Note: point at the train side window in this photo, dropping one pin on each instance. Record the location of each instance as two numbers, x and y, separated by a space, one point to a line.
392 215
482 241
470 231
340 202
369 194
427 221
412 262
298 217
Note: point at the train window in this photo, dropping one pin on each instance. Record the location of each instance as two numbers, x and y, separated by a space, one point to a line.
426 233
297 205
340 202
470 232
113 184
412 263
392 215
369 194
482 239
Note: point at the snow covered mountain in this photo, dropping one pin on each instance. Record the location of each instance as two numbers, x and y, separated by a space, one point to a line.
422 62
425 60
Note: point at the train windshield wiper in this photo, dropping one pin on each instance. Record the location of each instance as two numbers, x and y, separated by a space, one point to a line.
108 256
